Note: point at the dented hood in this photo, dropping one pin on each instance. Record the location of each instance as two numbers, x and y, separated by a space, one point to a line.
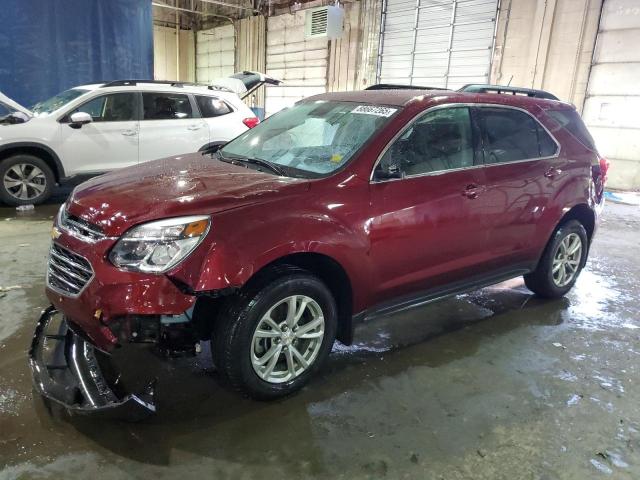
184 185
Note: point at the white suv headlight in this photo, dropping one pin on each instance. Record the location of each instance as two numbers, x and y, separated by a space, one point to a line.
156 247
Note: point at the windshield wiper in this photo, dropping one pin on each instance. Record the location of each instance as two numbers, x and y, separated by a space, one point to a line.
255 161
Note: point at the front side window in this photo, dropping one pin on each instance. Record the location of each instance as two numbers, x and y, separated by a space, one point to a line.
114 107
212 106
438 141
56 102
511 135
311 138
166 106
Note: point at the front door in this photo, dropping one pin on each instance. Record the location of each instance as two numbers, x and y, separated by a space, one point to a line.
110 141
170 125
425 229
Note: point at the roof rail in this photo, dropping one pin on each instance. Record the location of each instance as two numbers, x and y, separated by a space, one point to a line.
172 83
529 92
131 83
393 86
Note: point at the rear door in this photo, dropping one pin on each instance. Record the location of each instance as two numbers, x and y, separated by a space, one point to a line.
170 125
110 141
521 173
426 229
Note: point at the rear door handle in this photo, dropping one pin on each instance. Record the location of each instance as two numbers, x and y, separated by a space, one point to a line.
129 133
472 191
552 172
194 127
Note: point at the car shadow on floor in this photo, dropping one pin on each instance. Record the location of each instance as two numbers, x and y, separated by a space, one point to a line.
196 415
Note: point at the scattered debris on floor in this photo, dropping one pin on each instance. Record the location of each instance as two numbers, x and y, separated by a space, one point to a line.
12 287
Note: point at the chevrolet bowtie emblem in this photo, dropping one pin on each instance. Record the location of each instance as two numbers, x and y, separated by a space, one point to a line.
55 233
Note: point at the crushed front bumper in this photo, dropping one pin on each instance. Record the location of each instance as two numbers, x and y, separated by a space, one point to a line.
66 370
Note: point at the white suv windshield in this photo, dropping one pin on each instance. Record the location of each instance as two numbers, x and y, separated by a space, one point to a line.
313 137
57 101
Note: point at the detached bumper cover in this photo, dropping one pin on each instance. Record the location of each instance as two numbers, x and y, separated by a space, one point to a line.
66 371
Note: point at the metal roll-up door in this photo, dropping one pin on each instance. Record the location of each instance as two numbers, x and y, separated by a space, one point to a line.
438 43
301 63
215 53
613 95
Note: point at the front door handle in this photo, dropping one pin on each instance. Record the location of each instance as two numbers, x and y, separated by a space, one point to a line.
472 191
129 133
552 172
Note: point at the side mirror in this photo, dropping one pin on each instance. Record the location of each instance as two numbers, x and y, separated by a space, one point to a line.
213 147
78 119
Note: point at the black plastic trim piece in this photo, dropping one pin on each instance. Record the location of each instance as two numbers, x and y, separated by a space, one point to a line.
407 302
529 92
73 378
396 86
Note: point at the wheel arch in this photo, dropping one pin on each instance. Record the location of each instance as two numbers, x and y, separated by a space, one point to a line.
332 274
584 215
37 150
580 212
326 268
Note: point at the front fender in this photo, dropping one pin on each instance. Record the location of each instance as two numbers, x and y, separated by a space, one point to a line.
244 241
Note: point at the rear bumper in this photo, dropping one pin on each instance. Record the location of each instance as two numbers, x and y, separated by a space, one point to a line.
66 371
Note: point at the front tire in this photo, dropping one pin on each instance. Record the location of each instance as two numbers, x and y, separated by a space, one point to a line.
24 180
561 262
271 339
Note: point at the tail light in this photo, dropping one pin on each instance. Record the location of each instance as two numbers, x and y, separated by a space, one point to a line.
251 121
604 168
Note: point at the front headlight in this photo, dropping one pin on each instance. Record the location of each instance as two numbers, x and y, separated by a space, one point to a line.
158 246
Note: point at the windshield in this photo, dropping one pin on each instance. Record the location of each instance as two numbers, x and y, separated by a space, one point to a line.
54 103
312 138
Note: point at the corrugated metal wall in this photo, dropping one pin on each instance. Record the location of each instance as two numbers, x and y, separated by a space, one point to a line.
215 53
301 63
164 54
445 43
613 96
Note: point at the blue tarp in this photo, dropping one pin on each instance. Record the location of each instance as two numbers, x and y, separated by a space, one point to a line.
47 46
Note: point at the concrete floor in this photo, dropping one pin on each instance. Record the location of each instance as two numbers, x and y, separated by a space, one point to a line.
495 384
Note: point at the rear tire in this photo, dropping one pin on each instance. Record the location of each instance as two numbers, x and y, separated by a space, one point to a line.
24 180
259 346
561 263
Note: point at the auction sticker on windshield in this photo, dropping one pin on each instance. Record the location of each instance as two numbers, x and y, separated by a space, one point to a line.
375 110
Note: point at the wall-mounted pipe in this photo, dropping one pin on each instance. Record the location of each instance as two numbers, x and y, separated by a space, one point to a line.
230 5
206 14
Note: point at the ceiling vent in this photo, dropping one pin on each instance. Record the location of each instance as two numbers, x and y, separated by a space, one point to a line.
324 22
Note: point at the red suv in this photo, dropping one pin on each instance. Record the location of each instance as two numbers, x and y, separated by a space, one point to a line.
345 207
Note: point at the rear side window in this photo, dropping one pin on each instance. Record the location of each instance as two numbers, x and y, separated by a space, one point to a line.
511 135
166 106
115 107
571 121
212 106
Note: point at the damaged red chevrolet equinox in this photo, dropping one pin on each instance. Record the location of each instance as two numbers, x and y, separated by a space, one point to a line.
342 208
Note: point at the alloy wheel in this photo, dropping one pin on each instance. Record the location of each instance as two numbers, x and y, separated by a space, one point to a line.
25 181
566 260
287 339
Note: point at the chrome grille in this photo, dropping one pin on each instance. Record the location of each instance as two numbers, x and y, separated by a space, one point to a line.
79 227
68 273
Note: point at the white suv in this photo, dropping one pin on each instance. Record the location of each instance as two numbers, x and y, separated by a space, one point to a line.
95 128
